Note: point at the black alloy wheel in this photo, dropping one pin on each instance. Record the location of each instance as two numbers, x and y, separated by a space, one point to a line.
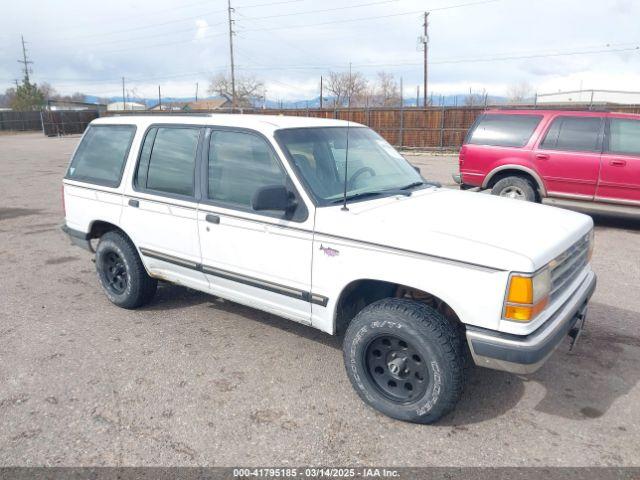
115 272
396 368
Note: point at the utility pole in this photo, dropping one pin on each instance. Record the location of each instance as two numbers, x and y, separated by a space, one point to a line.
320 92
159 99
24 61
124 104
196 91
425 44
233 73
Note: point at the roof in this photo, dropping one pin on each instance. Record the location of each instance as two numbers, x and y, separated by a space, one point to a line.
207 104
169 105
552 111
262 123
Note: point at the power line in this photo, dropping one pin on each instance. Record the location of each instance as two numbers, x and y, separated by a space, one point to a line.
173 21
586 50
490 58
308 12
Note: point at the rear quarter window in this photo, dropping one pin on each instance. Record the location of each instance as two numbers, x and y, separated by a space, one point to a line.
503 130
624 136
101 155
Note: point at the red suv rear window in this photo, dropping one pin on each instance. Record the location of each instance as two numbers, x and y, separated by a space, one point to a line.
501 130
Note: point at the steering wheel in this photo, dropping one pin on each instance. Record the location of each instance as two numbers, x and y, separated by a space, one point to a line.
357 173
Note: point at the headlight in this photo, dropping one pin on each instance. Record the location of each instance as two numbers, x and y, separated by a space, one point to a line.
527 295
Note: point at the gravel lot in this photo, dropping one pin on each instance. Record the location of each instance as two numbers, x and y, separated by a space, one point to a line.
195 380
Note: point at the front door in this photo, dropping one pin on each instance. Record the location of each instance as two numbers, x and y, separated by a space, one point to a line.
620 169
260 259
160 209
568 157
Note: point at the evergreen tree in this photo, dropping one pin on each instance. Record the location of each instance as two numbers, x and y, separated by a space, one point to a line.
27 97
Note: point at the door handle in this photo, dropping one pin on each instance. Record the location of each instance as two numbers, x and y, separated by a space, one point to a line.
542 156
618 163
134 203
212 219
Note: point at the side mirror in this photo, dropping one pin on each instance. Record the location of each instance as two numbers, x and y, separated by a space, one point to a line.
417 169
273 197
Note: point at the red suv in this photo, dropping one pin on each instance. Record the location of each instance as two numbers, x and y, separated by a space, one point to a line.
585 160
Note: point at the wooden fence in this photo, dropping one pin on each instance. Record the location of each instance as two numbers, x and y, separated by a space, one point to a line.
51 123
66 122
430 128
433 128
20 121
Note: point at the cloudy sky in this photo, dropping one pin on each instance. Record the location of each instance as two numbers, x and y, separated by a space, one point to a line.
86 45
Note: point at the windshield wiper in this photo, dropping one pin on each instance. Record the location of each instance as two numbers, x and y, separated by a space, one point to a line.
412 185
379 193
357 195
421 183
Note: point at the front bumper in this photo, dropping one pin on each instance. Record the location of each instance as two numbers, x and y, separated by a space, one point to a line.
526 354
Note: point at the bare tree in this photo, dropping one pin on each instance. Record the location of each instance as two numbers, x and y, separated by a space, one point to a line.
344 86
50 93
519 92
249 90
6 98
476 98
386 92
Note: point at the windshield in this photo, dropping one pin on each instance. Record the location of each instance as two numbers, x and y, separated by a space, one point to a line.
373 167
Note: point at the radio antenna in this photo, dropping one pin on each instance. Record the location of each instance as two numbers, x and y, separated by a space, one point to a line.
346 152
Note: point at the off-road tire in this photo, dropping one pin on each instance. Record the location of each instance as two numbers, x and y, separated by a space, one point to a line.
524 188
436 341
135 287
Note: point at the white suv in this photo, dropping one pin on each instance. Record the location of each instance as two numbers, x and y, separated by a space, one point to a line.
324 223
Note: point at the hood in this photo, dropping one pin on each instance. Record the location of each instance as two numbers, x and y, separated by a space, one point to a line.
470 227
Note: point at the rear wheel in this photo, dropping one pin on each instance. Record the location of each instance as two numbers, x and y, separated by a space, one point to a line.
516 188
121 273
405 360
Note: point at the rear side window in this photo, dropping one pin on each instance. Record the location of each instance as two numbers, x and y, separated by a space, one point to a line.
624 136
101 155
504 130
167 160
239 165
577 134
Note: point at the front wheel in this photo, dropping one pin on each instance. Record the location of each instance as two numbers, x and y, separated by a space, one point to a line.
405 360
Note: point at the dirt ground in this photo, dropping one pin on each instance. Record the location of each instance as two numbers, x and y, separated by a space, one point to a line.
195 380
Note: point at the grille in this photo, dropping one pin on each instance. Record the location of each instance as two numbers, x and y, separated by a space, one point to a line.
566 267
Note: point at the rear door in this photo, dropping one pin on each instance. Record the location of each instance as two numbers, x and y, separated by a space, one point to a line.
160 213
568 156
620 165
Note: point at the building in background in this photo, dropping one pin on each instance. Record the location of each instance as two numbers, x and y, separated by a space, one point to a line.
168 106
119 106
590 97
209 104
70 105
